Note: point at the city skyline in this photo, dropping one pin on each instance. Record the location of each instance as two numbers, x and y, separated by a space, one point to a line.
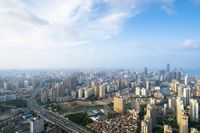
99 34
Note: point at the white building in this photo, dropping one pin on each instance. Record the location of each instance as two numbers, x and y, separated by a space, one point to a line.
108 89
37 126
194 110
144 92
186 79
157 88
80 92
102 91
86 93
172 103
137 91
26 83
147 85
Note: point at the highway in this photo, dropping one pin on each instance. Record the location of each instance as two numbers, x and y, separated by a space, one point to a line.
52 117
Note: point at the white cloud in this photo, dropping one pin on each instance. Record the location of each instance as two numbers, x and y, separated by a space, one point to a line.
191 43
168 9
49 26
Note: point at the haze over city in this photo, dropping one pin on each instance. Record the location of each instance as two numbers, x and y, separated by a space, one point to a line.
99 66
99 33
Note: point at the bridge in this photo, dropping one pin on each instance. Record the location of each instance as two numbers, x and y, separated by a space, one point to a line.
52 117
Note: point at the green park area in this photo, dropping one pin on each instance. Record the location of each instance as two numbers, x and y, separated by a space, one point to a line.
80 118
13 104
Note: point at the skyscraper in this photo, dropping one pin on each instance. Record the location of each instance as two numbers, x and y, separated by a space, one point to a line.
147 85
80 92
137 91
37 126
179 109
181 116
54 94
151 113
186 96
186 79
44 95
146 125
70 84
102 91
144 92
93 84
96 90
168 67
197 89
183 127
145 71
172 104
119 104
194 110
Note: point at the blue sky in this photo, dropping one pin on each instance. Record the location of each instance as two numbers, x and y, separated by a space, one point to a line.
99 33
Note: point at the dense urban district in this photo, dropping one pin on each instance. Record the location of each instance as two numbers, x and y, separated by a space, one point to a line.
99 101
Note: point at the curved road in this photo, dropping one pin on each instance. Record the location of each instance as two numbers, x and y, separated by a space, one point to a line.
54 118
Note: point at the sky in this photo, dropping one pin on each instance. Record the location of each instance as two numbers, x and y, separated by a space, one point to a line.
99 33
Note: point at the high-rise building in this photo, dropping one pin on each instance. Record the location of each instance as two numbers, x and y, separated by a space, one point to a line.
44 95
119 104
96 90
174 85
183 127
167 129
194 110
147 85
93 84
37 126
137 91
172 104
80 93
54 94
165 109
70 84
145 71
186 79
119 84
197 89
26 83
108 89
180 91
144 92
181 116
86 93
186 96
146 125
102 91
179 109
179 76
168 67
151 113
